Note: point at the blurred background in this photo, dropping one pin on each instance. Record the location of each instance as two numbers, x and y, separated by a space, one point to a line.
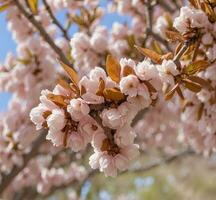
189 178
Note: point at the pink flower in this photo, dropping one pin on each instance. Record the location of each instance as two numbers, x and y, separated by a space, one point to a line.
107 165
97 140
110 164
168 70
161 25
88 127
76 141
99 40
59 90
119 30
56 121
124 136
56 137
181 22
46 102
127 62
36 115
146 71
112 118
94 160
91 87
207 39
78 109
143 97
129 84
97 73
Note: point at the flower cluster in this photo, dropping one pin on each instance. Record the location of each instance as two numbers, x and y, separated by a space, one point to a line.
78 113
116 103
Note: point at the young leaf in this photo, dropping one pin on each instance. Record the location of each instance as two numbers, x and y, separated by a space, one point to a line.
171 93
82 90
46 114
101 87
127 71
113 94
57 99
167 56
193 3
63 83
155 57
174 36
71 73
196 66
33 5
192 86
178 90
200 81
4 6
113 68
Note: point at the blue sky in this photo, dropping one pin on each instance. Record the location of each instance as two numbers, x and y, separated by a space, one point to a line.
8 45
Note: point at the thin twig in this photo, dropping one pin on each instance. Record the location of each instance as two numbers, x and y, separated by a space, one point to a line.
43 33
8 178
55 21
149 23
159 39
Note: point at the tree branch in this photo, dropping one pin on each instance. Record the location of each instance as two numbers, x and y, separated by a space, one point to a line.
166 6
8 178
55 21
43 33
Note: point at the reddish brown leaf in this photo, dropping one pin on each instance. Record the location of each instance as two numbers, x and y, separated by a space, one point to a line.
155 57
171 93
71 73
82 90
196 66
174 36
178 90
192 86
167 56
46 114
101 87
113 94
57 99
127 71
113 68
63 83
200 81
